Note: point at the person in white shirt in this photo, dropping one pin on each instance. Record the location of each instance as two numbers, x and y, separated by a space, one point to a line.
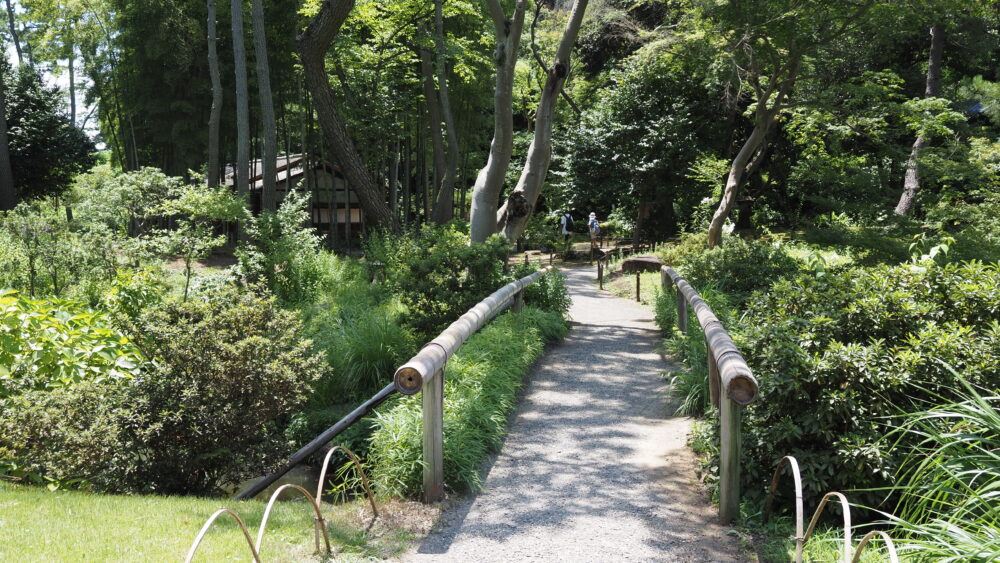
566 223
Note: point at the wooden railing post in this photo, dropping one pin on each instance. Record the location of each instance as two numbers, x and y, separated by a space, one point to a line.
729 462
518 304
682 312
600 273
433 411
713 375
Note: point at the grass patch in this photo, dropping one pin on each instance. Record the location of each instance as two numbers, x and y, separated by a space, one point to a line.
39 525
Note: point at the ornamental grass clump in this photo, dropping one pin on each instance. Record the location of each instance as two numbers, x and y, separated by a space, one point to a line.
481 384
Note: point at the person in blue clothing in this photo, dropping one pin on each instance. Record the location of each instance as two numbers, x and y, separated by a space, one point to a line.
595 229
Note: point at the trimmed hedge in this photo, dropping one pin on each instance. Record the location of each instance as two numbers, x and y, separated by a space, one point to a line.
481 384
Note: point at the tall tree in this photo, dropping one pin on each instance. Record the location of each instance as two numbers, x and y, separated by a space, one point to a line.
215 117
269 148
489 181
314 43
911 181
242 176
513 216
444 207
8 197
13 33
768 47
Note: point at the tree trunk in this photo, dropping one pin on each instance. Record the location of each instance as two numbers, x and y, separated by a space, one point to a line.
8 198
13 33
736 172
444 207
215 117
911 181
269 148
71 63
489 181
313 45
513 216
242 179
394 180
433 121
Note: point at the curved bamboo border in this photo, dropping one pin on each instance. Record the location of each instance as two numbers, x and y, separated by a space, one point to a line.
319 522
800 538
208 524
891 547
361 470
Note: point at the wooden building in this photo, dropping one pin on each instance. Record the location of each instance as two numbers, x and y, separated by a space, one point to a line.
328 190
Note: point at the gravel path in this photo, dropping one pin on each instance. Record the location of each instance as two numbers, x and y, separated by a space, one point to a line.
594 468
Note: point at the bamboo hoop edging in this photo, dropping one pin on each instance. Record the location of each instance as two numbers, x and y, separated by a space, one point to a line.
208 524
890 546
799 510
846 507
320 524
361 471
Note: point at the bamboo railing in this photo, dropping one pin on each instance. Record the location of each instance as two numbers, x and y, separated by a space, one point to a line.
731 385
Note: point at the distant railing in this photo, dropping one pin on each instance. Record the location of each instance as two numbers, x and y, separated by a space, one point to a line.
731 386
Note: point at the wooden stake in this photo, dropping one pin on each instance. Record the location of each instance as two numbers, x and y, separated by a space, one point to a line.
637 286
729 462
433 412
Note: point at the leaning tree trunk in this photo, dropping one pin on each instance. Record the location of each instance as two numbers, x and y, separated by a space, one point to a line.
242 178
269 149
8 198
13 33
215 117
737 169
513 216
444 207
313 45
489 181
911 181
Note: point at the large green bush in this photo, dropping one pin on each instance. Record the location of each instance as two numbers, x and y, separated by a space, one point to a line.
481 383
738 267
203 413
838 354
436 273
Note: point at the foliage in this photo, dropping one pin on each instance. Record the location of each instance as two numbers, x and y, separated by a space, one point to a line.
193 237
436 273
481 383
841 352
46 150
49 344
205 416
547 293
738 267
283 252
948 479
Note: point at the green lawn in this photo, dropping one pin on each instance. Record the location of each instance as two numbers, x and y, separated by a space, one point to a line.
39 525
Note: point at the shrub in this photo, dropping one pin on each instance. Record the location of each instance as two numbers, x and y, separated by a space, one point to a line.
227 369
50 344
548 293
481 383
284 252
836 355
436 273
738 267
67 436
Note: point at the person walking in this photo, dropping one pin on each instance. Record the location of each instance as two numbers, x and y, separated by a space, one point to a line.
595 229
566 223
